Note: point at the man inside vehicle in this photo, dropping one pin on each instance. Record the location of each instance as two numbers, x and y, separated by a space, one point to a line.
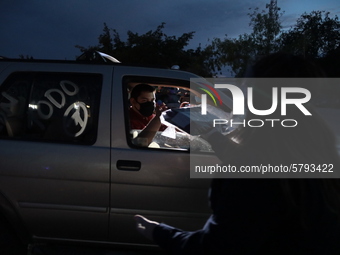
144 114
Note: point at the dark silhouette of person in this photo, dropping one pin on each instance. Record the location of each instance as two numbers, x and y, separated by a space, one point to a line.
267 216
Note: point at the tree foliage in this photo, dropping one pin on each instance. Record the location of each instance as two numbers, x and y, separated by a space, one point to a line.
152 48
263 40
316 35
266 28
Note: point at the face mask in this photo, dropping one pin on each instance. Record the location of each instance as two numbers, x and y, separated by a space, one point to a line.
147 108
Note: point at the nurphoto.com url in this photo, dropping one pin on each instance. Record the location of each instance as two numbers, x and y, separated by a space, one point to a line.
266 168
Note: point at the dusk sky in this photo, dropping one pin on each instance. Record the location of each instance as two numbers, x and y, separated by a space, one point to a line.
49 29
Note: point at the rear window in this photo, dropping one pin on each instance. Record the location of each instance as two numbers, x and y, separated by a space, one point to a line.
50 107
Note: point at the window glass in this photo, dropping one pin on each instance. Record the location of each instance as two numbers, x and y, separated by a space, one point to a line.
55 107
174 94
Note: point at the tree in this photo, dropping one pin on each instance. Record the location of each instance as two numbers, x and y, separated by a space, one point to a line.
266 28
152 48
314 35
234 52
239 52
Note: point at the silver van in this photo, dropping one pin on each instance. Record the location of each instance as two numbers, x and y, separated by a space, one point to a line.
69 170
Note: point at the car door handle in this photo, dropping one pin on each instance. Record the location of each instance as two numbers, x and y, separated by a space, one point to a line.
128 165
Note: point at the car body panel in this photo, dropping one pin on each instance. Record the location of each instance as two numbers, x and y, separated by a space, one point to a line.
59 190
89 193
162 188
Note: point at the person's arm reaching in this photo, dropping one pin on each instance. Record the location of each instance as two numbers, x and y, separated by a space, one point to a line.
153 126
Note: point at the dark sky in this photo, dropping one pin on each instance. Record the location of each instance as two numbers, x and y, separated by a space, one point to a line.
49 29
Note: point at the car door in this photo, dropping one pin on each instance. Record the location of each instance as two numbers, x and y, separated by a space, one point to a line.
54 148
153 182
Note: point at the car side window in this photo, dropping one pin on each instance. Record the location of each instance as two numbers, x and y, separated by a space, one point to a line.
175 94
51 107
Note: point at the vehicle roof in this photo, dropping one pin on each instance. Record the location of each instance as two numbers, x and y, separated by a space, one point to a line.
88 58
3 59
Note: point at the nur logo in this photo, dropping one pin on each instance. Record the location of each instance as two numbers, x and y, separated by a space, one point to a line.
239 103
